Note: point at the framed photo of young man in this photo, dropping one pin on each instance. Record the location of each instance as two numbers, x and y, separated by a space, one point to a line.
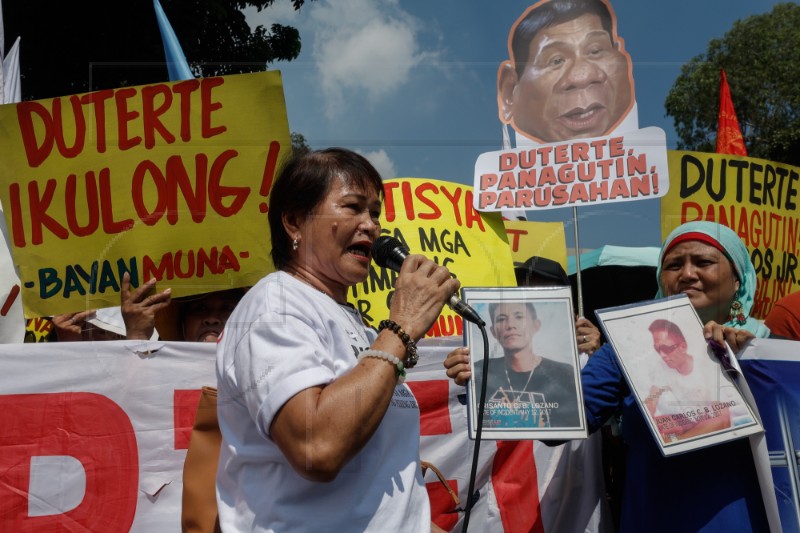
533 388
688 397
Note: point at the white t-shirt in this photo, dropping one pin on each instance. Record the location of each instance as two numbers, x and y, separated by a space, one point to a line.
285 337
694 394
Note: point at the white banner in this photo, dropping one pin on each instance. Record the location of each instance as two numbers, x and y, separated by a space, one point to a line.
94 435
618 168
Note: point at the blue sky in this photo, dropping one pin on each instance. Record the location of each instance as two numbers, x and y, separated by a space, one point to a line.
412 84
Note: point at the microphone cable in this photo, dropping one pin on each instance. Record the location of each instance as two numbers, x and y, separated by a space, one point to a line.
478 431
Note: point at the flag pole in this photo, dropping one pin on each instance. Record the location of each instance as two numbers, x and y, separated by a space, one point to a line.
577 260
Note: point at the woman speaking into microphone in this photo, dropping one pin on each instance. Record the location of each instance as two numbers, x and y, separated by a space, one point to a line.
319 432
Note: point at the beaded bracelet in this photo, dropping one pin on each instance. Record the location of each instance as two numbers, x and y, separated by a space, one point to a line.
411 346
386 356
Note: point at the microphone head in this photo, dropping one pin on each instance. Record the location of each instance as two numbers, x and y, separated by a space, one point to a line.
389 252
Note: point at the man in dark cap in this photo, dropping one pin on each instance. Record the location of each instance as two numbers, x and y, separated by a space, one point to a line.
543 272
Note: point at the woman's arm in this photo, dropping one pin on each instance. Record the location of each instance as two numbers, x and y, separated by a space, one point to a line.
604 387
321 428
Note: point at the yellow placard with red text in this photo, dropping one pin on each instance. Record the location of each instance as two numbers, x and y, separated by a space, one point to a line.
758 199
167 181
437 219
542 239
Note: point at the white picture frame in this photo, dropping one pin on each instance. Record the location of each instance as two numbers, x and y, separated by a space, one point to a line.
534 388
687 398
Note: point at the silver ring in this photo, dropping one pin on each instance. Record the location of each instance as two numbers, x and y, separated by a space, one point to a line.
584 338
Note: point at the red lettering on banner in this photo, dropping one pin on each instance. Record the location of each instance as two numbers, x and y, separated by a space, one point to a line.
269 173
42 128
151 114
124 116
36 151
218 192
98 100
184 408
427 194
185 89
514 235
39 217
516 487
446 326
80 128
110 226
207 106
71 204
432 397
88 427
435 213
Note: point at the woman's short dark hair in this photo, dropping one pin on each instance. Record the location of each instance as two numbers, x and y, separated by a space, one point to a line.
303 184
549 14
493 307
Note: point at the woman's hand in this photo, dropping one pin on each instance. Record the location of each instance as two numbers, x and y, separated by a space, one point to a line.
457 365
420 292
736 338
139 307
70 327
588 336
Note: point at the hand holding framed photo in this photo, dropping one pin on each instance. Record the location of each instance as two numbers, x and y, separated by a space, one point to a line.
686 396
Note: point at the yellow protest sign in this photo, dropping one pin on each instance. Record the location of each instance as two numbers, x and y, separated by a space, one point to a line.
758 199
543 239
437 219
167 181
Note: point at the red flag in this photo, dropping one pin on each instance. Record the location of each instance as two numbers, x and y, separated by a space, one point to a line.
729 135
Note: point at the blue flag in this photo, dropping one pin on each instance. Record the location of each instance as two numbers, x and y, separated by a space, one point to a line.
177 66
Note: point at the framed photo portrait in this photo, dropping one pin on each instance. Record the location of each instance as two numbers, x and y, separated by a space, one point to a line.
686 395
533 388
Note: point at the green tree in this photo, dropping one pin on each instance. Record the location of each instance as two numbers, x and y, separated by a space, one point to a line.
299 144
70 47
761 57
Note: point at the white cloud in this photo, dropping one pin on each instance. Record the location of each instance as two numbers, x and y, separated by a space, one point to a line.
281 12
363 48
382 163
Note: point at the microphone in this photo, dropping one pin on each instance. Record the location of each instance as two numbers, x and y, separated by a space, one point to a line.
390 253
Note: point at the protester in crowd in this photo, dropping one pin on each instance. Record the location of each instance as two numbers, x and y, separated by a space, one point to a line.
318 432
708 489
539 271
568 76
198 318
710 264
679 385
523 381
784 317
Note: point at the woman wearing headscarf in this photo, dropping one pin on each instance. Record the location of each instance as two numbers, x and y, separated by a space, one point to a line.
703 246
709 489
319 432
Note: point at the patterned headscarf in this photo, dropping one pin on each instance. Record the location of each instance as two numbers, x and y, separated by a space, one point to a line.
725 240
